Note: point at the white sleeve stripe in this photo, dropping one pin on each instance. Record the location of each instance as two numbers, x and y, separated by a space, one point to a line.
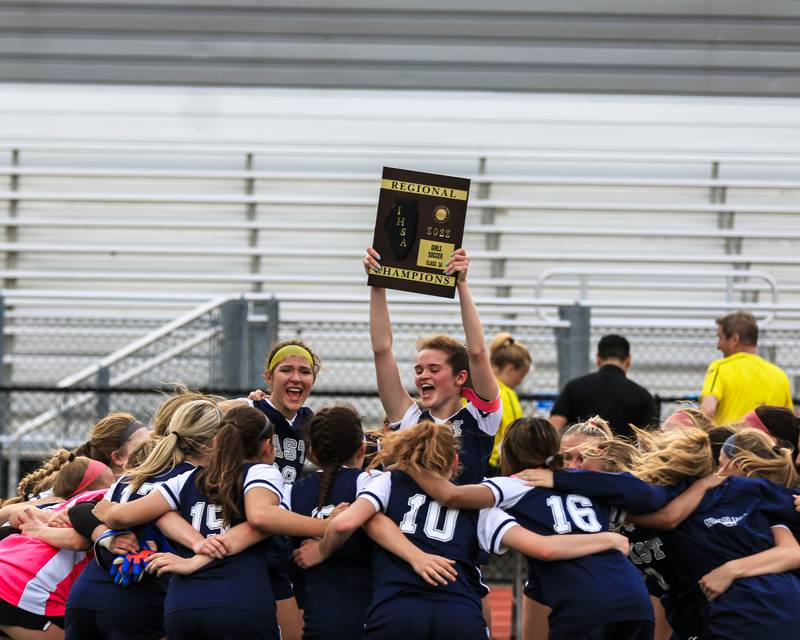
375 500
780 526
265 483
497 537
171 498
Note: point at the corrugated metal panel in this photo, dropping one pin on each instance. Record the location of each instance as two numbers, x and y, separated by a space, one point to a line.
723 47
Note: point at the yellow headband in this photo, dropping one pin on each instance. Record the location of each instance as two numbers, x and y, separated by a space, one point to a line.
291 350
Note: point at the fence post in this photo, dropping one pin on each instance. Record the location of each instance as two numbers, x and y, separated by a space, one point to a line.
233 359
103 382
263 334
5 398
517 591
573 343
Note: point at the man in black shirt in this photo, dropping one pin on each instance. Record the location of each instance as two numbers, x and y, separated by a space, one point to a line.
606 393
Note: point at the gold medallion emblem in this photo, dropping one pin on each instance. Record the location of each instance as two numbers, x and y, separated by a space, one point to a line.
441 214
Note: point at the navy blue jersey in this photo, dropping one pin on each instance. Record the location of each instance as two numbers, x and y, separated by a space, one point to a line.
735 520
585 592
334 595
238 581
457 534
94 590
290 447
475 429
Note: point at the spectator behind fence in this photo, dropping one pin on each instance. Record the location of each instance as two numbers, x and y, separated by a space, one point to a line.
607 393
511 362
741 380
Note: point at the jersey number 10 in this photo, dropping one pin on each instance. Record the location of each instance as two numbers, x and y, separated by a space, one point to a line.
443 533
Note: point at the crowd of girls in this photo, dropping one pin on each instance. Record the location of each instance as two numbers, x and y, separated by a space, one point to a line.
257 518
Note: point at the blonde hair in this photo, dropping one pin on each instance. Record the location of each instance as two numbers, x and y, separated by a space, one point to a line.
756 456
426 445
594 427
106 437
504 350
615 455
190 431
698 419
172 403
669 457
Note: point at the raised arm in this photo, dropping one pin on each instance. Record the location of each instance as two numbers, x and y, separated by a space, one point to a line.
680 508
466 496
784 556
393 394
433 569
480 369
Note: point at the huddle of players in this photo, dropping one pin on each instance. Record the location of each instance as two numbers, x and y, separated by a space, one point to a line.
218 485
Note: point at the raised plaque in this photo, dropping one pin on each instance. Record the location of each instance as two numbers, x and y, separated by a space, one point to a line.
420 223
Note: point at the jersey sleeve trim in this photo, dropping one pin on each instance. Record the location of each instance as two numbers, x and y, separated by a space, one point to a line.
497 537
261 482
496 490
169 496
375 500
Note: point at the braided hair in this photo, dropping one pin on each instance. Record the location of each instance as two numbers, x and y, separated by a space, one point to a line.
335 435
42 478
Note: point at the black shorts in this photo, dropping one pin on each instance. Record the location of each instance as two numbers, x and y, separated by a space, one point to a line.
11 616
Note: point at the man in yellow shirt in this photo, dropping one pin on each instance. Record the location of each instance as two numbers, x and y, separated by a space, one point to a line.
741 380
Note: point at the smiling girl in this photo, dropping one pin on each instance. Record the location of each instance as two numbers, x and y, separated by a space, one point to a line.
445 370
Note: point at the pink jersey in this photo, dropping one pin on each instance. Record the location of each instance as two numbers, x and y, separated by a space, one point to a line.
37 577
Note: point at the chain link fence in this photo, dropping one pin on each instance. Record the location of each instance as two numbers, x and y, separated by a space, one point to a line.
62 380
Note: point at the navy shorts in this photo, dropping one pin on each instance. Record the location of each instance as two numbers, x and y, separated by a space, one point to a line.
219 624
415 616
86 624
623 630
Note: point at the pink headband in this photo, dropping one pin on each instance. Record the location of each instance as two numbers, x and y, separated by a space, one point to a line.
91 474
752 420
682 418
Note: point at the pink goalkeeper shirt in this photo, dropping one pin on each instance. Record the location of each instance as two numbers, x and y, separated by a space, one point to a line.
37 577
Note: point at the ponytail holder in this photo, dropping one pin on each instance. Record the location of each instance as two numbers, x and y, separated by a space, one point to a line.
549 460
481 404
290 350
91 474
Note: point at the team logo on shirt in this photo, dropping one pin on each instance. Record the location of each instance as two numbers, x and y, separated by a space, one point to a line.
725 521
457 427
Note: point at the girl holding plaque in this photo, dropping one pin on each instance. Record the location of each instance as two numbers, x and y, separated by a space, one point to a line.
445 372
